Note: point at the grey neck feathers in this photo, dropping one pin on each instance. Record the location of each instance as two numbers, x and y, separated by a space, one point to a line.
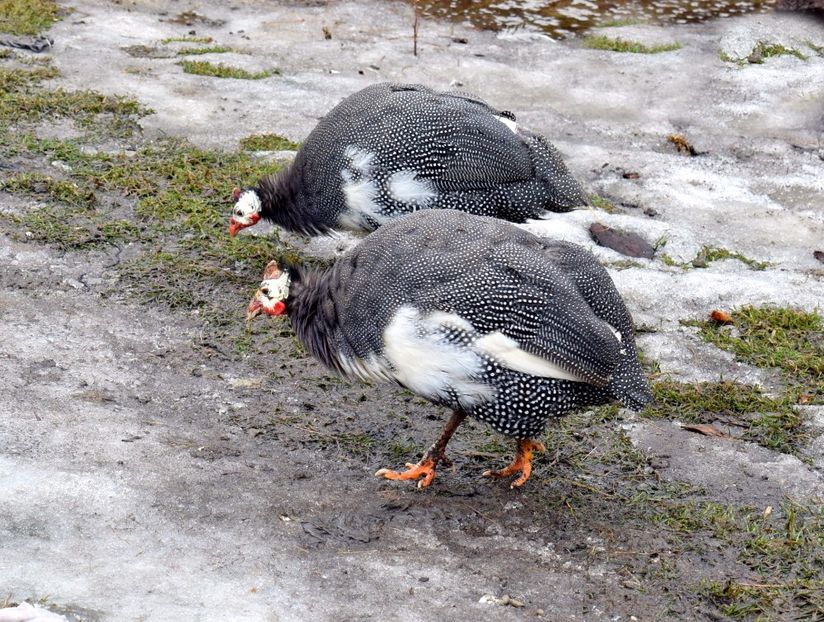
282 202
314 315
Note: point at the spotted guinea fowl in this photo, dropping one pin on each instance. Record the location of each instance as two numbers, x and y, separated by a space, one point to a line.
392 149
471 313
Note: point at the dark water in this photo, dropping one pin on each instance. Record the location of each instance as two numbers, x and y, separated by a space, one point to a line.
562 18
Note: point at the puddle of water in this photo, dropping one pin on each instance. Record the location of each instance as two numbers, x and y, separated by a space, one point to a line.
563 18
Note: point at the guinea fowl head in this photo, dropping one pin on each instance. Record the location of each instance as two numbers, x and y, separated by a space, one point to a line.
270 298
246 211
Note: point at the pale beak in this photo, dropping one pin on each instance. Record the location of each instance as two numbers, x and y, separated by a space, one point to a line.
255 307
234 227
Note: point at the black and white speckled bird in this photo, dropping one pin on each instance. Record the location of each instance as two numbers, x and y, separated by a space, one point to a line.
471 313
392 149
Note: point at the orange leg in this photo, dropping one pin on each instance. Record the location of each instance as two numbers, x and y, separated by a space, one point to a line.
426 467
521 464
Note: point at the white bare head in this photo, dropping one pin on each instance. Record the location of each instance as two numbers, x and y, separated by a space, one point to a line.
246 211
270 298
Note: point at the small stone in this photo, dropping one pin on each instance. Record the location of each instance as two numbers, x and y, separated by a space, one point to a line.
625 242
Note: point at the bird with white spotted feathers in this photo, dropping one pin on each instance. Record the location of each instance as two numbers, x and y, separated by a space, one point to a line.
392 149
471 313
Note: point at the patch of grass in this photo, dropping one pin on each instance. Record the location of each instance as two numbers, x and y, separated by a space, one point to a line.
16 79
27 17
212 49
205 68
709 254
789 339
770 422
22 99
785 550
268 142
766 50
33 184
186 40
4 53
601 42
618 23
600 202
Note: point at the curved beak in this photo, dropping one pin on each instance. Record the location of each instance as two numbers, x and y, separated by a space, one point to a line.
255 307
258 305
234 226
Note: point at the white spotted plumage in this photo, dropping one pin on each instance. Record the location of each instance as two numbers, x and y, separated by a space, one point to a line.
477 315
392 149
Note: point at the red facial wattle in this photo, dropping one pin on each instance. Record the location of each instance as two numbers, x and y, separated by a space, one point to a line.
235 226
279 308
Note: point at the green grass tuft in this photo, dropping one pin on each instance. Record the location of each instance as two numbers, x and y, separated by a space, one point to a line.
619 23
27 17
204 68
708 254
601 42
268 142
786 338
784 549
186 40
212 49
600 202
33 184
771 422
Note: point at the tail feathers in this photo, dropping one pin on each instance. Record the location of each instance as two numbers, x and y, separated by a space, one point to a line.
637 397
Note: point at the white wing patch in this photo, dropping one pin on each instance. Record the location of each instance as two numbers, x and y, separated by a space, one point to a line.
405 187
509 123
359 159
426 363
509 354
360 191
368 369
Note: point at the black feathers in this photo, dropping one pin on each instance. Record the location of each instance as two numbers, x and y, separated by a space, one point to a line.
475 314
389 150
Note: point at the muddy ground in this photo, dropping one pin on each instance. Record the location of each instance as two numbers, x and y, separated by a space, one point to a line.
159 460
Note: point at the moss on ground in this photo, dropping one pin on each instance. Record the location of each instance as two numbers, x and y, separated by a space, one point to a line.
764 50
600 202
268 142
784 549
602 42
186 40
788 339
770 422
27 17
205 68
211 49
709 254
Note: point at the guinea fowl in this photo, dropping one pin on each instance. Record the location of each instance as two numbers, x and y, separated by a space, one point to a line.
392 149
471 313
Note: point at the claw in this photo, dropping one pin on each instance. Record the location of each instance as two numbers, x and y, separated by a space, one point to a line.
521 464
424 469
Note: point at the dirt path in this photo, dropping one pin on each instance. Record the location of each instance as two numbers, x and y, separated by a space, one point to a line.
157 462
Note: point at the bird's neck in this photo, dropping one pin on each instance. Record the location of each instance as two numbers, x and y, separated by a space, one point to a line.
284 203
314 315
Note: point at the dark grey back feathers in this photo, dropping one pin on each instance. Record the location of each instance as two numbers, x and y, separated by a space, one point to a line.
391 149
551 297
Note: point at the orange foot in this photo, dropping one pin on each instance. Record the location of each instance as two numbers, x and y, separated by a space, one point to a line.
425 469
521 464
